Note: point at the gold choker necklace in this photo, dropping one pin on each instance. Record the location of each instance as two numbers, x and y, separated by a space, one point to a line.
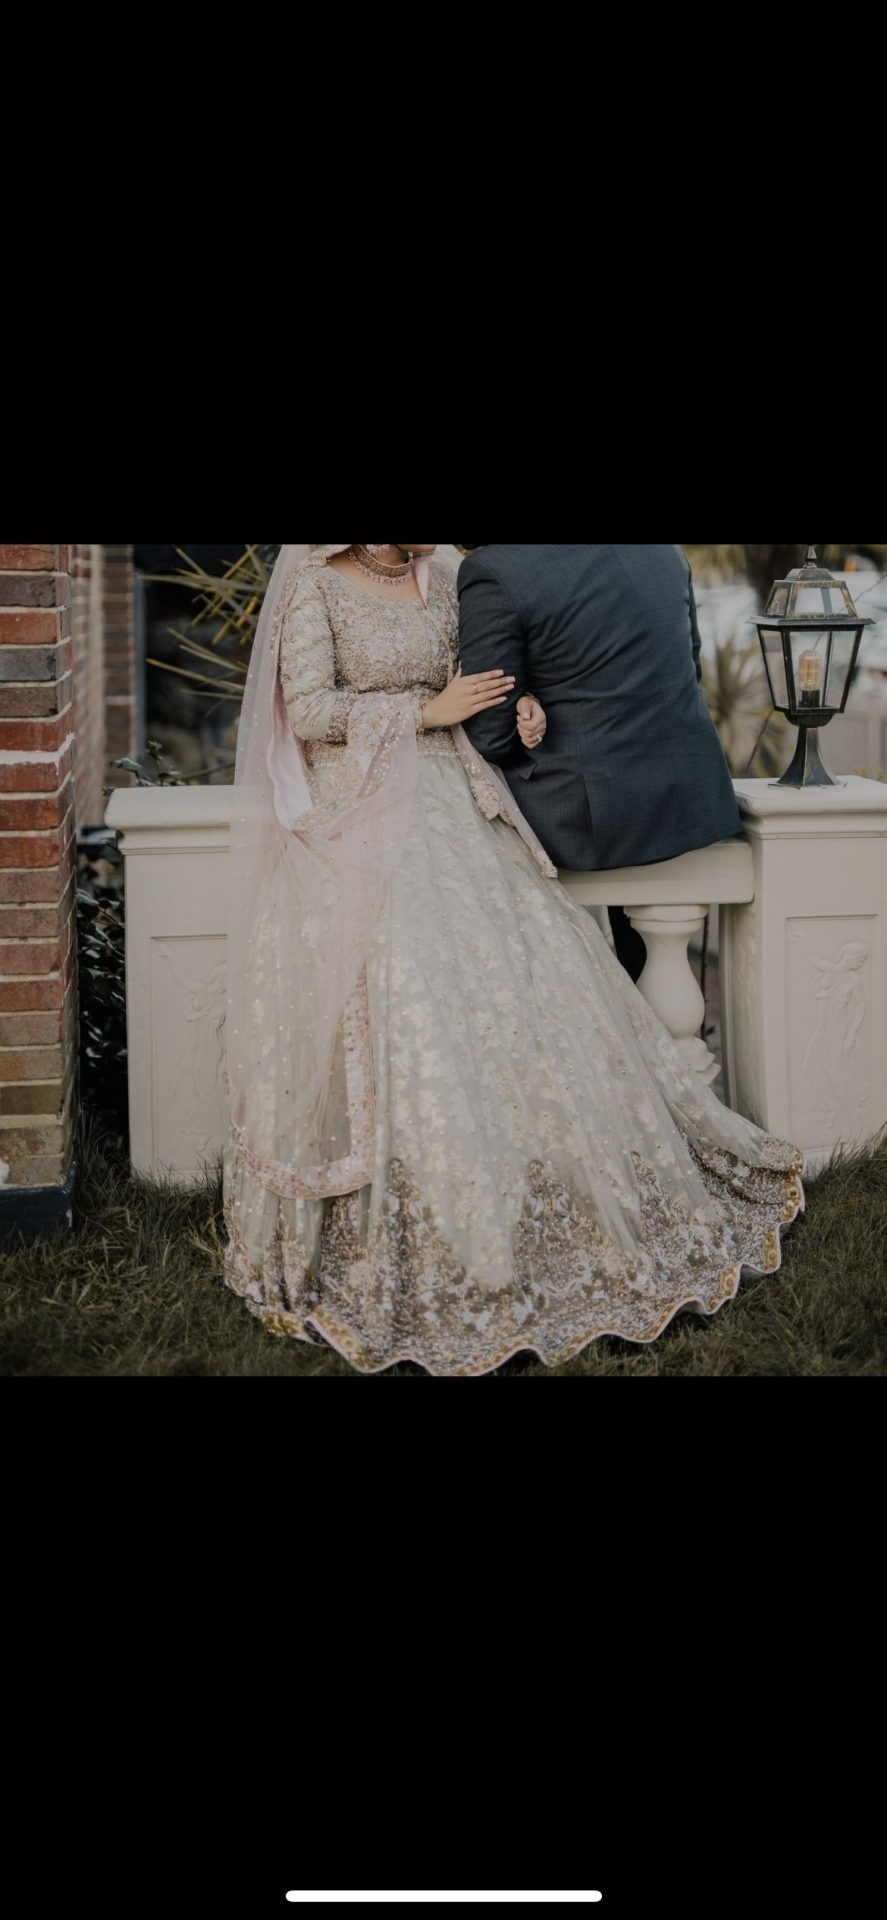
380 569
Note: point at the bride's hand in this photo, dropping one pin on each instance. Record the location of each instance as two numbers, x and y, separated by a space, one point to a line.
532 721
465 696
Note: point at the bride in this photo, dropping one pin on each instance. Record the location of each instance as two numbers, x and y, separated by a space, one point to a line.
458 1131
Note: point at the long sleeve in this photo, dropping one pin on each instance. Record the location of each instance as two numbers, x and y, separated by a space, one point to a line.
491 636
318 710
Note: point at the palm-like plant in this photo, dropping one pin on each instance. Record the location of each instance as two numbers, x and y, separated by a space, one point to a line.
230 603
753 736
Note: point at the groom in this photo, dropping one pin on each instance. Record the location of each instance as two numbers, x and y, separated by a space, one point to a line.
631 770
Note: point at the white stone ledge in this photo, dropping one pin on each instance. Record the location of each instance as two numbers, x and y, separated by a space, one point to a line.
840 812
172 820
803 961
176 819
716 876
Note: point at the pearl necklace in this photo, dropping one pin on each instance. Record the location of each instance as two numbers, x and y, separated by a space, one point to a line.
380 569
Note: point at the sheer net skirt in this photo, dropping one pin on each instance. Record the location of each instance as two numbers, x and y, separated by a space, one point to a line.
546 1169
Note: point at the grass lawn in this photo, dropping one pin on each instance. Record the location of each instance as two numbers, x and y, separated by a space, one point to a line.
137 1290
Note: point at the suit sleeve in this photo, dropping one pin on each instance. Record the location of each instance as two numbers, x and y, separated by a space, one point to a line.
491 635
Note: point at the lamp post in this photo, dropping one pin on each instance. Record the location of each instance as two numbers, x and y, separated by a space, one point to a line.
810 635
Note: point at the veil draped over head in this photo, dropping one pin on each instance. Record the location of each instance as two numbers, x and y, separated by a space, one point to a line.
307 883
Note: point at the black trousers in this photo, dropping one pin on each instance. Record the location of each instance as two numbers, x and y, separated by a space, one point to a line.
630 947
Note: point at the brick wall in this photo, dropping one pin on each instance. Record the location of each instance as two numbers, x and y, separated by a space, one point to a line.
89 706
118 623
38 1012
105 708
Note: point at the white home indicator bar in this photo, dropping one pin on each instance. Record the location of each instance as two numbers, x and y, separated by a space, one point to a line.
539 1898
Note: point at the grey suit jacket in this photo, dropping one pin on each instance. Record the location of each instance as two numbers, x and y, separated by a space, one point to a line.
631 770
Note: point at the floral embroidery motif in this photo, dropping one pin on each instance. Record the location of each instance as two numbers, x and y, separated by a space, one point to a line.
398 1292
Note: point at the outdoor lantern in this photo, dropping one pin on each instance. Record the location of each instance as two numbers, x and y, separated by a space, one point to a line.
810 635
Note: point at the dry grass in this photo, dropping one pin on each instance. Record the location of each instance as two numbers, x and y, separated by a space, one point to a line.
136 1290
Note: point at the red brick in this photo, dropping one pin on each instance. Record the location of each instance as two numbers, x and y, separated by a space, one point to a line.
37 996
37 776
32 813
44 850
28 559
32 956
30 1063
27 629
43 1170
50 1136
33 887
32 700
51 1112
16 1147
42 736
34 1029
44 1097
28 922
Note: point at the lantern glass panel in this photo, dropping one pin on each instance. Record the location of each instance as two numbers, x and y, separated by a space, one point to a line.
843 643
777 605
812 601
774 660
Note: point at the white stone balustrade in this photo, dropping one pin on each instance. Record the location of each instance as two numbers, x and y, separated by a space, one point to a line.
803 904
667 904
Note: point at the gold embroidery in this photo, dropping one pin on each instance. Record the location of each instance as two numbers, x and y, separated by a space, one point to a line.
337 731
328 753
382 645
399 1292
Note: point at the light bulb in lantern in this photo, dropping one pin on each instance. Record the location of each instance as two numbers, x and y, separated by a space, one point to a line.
810 679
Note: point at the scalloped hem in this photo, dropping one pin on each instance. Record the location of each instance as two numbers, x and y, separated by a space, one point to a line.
335 1332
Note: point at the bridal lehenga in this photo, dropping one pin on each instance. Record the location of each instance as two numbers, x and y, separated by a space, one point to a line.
508 1153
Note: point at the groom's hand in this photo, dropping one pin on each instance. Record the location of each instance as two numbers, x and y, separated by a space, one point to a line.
532 721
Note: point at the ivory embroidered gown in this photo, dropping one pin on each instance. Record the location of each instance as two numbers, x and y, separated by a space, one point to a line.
545 1169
